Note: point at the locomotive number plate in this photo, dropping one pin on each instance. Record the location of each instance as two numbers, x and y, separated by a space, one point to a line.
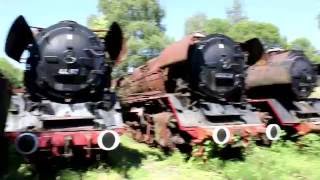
224 75
69 71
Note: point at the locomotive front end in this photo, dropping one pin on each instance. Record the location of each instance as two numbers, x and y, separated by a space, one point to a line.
68 105
218 67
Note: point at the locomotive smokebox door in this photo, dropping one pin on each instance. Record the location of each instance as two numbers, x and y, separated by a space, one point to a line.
217 66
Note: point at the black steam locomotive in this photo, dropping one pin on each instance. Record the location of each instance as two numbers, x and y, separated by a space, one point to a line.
67 105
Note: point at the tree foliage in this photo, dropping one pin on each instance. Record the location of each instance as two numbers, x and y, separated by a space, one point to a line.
128 11
240 28
302 44
236 26
268 33
200 23
14 75
240 31
216 25
235 14
195 23
306 46
141 22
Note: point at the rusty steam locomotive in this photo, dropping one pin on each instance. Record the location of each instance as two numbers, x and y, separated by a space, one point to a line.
68 107
194 91
280 83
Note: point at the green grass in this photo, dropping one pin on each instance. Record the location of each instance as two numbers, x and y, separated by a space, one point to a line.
132 160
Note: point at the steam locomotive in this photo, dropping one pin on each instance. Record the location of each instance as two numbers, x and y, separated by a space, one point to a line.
193 92
280 83
67 107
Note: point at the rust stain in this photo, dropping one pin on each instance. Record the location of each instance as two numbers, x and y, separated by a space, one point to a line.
162 132
306 127
270 69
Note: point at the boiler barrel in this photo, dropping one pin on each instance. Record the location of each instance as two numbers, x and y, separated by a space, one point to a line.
290 69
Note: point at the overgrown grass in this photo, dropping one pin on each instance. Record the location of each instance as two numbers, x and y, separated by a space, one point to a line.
284 160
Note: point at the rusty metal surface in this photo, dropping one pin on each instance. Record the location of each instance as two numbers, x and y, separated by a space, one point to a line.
147 84
271 69
142 80
197 127
174 53
307 127
282 115
18 90
162 132
195 123
153 75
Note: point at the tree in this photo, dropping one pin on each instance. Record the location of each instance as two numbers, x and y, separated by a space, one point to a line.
306 46
241 31
127 11
301 44
14 75
235 13
141 22
200 23
195 23
98 22
216 25
268 33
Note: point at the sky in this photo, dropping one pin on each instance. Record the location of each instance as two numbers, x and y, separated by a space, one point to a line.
295 18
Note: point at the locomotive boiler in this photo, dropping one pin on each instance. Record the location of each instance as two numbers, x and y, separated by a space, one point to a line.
280 83
289 72
192 92
67 107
